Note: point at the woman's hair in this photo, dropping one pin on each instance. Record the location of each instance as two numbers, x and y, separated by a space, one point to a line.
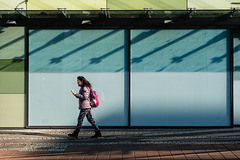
84 81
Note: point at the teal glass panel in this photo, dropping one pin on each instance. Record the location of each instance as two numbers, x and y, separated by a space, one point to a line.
180 78
12 43
12 75
236 81
57 57
76 51
179 50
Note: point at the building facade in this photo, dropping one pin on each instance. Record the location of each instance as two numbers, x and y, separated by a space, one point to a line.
153 63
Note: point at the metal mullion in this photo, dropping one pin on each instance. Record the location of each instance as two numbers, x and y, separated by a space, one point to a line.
26 76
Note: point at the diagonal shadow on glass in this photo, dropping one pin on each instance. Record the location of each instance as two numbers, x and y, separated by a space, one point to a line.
53 40
15 61
15 65
15 40
140 59
210 42
135 40
213 60
235 51
59 59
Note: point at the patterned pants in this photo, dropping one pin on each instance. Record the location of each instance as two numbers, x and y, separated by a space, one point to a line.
88 114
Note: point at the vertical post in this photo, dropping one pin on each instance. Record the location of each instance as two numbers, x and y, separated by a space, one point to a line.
26 4
26 76
128 72
231 70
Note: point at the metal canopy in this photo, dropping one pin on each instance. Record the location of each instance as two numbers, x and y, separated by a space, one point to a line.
147 13
122 18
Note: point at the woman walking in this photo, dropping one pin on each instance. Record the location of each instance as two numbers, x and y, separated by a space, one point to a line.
84 107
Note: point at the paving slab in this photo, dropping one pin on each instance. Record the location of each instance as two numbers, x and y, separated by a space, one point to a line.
195 143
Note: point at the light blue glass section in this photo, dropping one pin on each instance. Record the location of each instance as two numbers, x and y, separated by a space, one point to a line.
236 82
180 78
57 57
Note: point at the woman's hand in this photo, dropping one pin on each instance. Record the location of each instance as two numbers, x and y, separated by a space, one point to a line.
73 93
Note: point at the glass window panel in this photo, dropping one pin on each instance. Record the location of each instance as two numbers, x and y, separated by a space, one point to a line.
12 76
57 57
12 65
12 108
236 82
12 43
179 78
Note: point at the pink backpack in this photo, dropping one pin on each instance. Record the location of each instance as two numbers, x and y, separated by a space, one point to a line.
94 102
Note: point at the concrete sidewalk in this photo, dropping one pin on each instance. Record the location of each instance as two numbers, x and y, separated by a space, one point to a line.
220 143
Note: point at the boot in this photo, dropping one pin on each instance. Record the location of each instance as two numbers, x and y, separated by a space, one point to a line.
97 134
74 134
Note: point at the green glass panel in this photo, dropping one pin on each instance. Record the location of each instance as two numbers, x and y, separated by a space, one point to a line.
12 108
12 76
12 43
12 65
